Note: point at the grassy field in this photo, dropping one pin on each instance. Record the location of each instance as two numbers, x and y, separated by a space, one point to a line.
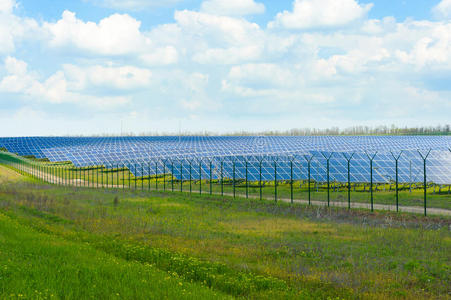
37 265
133 244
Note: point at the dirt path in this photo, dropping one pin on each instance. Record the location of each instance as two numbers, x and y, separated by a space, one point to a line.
411 209
8 175
81 183
49 178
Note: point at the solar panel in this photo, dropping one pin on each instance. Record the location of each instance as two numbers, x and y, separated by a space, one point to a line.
236 154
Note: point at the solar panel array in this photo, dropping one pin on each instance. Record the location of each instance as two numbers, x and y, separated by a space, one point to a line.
230 157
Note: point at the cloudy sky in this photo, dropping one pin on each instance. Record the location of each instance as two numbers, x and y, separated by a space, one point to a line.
88 66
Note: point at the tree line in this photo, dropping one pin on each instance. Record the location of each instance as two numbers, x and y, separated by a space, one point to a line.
332 131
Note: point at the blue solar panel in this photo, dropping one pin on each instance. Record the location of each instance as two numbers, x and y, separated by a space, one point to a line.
198 152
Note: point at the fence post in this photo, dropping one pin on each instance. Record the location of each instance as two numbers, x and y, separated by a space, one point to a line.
123 176
56 175
117 175
291 179
260 179
190 183
142 175
148 171
106 175
106 179
181 175
156 175
200 176
309 160
396 178
172 175
275 180
348 159
424 157
233 177
211 177
247 182
129 176
371 158
328 177
222 178
164 175
134 177
112 175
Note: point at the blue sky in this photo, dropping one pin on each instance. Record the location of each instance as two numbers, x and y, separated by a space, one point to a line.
92 66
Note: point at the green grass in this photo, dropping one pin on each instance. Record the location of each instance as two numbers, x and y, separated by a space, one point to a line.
239 248
36 265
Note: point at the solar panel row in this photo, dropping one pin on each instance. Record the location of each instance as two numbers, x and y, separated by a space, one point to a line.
205 157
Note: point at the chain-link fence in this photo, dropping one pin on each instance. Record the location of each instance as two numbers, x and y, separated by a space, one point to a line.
401 181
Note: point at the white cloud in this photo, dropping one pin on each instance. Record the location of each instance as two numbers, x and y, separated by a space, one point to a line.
14 29
219 39
15 66
118 34
282 85
219 30
160 56
115 35
431 46
309 14
264 74
133 5
6 6
54 89
195 97
442 10
376 26
232 7
125 78
17 79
